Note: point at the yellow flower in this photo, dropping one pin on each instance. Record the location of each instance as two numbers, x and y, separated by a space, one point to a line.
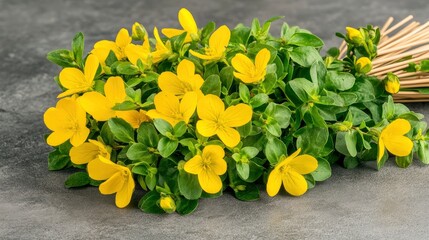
134 117
67 121
392 83
144 52
102 48
249 72
354 35
392 137
88 151
168 107
167 204
363 65
119 180
185 81
138 32
215 120
77 81
217 45
188 24
208 166
289 170
100 107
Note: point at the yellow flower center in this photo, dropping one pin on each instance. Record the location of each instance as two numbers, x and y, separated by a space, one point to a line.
206 162
125 173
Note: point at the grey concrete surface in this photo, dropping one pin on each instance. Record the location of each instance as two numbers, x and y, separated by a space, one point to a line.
357 204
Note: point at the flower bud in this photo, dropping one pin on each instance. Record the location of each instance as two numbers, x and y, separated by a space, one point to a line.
391 83
355 36
167 204
363 65
138 32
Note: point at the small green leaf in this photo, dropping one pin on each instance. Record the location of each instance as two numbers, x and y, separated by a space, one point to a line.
166 146
147 135
323 170
274 149
350 162
57 160
78 47
244 93
180 129
212 85
305 39
243 170
124 106
340 80
189 186
305 56
61 57
258 100
423 151
186 206
78 179
127 68
404 162
122 131
250 193
163 126
149 203
351 141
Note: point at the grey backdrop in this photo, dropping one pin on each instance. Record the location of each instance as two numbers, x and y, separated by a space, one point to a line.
353 204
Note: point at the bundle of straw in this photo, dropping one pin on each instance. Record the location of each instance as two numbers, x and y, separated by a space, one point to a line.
401 44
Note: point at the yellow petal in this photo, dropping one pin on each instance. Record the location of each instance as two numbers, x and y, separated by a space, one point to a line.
397 127
101 148
215 154
380 149
73 78
123 197
171 32
71 92
210 107
210 182
114 90
188 105
194 165
97 105
304 164
91 67
294 183
102 168
288 159
123 38
167 104
202 56
133 117
236 116
136 52
219 39
262 59
399 145
245 78
229 136
58 137
56 119
274 183
102 49
112 185
206 128
187 21
154 114
84 153
169 82
160 46
243 64
196 82
185 70
79 136
218 166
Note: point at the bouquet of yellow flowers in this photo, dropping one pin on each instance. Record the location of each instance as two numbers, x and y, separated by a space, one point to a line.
202 111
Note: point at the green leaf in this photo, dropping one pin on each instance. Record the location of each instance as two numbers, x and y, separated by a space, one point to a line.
300 90
312 139
150 181
163 126
212 85
149 202
147 135
350 162
78 179
106 134
274 149
189 186
305 56
244 93
139 151
282 115
127 68
323 171
258 100
404 162
122 131
339 80
186 206
240 35
351 141
305 39
61 57
250 193
141 169
78 47
423 151
124 106
57 160
243 170
227 77
180 129
166 146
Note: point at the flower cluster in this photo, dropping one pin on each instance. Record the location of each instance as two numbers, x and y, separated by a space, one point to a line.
203 110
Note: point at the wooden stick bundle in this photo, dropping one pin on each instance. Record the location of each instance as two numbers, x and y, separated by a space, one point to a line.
403 43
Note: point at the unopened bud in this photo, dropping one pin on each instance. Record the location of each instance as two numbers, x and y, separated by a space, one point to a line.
391 83
167 204
363 65
138 32
355 36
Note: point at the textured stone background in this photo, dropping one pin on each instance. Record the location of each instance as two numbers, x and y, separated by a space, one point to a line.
358 204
